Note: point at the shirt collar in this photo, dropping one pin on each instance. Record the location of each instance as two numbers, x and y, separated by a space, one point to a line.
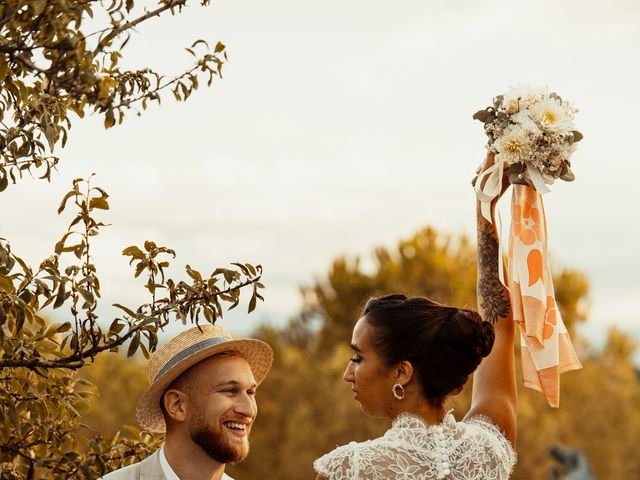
168 471
166 468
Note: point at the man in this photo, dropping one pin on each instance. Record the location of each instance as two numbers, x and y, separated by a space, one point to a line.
202 394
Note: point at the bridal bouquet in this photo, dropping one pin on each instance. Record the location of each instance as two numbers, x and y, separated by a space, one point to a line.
532 137
531 132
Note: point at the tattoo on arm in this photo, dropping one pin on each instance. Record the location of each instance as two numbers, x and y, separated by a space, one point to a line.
493 296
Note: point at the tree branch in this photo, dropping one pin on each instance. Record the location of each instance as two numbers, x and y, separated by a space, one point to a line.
126 26
77 360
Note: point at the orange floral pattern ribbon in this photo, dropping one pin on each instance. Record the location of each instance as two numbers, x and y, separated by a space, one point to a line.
546 346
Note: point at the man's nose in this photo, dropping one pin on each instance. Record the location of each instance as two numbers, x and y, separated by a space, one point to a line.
246 405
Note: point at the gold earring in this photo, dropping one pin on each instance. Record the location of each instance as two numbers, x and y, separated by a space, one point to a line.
400 395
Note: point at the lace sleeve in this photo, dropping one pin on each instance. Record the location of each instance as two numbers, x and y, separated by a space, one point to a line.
339 464
497 445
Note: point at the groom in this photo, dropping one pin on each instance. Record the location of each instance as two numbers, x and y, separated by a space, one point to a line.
202 395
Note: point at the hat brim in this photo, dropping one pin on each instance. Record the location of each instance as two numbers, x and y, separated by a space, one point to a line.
258 354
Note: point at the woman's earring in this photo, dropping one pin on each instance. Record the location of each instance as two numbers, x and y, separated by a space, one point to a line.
395 388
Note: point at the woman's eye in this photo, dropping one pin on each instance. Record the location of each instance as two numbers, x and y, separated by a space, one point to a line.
355 359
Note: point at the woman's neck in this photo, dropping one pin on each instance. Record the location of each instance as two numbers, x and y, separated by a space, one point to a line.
419 406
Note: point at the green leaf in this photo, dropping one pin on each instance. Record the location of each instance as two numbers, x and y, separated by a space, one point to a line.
63 204
194 274
577 136
109 119
99 203
116 326
200 41
483 115
127 310
20 320
568 177
219 47
149 245
133 346
134 252
87 295
60 296
66 326
244 269
4 183
252 302
14 417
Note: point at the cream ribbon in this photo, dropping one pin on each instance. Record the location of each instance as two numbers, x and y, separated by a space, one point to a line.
490 189
486 193
536 178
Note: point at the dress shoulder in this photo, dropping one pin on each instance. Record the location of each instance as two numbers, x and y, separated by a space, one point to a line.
356 460
338 463
496 444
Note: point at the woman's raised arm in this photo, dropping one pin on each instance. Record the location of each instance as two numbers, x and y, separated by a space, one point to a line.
494 382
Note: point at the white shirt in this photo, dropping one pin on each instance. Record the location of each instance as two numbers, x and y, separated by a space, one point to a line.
170 474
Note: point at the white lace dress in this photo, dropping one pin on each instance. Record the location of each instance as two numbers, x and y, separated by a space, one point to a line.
411 450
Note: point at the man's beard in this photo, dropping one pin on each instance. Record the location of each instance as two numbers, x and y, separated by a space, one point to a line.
217 445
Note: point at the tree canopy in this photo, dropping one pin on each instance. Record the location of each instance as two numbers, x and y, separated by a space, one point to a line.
58 63
55 62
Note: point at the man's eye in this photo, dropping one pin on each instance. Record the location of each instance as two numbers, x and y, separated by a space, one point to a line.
251 392
355 359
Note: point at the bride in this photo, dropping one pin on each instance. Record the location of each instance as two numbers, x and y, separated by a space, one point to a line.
409 356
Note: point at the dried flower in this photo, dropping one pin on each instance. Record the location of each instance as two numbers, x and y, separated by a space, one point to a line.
532 128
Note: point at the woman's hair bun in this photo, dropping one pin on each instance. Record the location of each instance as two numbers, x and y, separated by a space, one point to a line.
486 338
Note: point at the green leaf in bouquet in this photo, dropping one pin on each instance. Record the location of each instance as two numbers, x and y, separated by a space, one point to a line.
564 168
568 177
555 96
577 136
484 116
516 174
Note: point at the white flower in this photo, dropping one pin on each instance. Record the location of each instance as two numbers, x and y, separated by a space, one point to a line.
514 145
523 96
550 115
524 119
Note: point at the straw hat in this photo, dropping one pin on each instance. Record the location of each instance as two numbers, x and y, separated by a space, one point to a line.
184 351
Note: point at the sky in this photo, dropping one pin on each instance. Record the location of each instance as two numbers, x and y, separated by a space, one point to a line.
340 126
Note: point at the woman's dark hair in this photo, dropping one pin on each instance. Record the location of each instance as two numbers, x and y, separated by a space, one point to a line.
444 344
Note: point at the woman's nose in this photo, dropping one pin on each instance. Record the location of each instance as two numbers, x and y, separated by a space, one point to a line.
348 374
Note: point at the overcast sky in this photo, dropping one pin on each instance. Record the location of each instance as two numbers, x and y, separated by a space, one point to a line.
340 126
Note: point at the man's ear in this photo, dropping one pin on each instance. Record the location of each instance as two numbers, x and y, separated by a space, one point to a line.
404 372
175 405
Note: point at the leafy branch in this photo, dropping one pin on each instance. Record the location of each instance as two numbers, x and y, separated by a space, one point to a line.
49 70
23 295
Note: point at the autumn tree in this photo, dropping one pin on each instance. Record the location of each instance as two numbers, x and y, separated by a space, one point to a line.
58 63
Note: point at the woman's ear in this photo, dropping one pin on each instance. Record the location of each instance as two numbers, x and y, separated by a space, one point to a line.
404 372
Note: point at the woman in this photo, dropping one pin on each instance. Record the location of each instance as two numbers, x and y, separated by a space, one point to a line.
409 356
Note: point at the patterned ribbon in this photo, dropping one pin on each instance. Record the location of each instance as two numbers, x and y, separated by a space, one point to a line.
546 347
